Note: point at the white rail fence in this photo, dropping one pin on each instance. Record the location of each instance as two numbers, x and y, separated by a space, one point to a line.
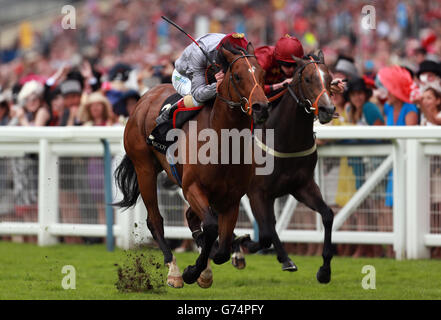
411 226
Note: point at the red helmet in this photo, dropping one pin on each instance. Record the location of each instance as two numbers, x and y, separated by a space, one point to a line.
287 46
235 39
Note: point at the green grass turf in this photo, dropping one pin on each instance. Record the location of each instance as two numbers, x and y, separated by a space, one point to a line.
31 272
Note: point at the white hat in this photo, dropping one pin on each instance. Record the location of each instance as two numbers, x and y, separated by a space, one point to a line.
29 88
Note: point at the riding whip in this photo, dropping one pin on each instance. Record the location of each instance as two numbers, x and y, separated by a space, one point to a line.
192 39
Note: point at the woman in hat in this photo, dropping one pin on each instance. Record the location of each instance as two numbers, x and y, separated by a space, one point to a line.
398 109
96 111
360 111
33 111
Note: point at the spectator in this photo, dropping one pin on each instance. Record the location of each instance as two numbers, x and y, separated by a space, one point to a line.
31 111
125 106
96 111
345 68
5 113
360 111
431 108
398 109
429 71
71 90
431 105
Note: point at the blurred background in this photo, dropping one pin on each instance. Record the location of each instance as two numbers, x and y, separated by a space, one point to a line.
119 49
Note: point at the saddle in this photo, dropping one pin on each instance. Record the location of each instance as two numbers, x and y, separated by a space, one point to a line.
178 117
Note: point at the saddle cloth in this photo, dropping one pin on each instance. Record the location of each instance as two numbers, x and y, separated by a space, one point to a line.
179 116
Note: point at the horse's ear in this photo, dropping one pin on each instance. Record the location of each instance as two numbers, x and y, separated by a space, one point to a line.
227 54
321 56
250 48
299 61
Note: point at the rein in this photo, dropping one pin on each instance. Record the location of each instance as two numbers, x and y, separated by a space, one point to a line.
244 103
306 104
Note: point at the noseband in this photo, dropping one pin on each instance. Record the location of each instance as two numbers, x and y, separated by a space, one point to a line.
243 103
307 105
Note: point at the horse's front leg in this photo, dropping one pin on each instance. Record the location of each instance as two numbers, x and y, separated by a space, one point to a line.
311 196
227 222
199 205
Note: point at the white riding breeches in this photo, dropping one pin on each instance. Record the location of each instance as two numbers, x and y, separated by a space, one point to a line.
182 86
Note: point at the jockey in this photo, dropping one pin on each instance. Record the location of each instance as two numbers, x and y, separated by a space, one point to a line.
279 65
189 75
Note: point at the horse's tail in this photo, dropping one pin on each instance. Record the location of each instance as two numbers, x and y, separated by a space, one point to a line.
125 176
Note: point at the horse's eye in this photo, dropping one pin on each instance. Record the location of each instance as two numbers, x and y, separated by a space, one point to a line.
236 77
307 80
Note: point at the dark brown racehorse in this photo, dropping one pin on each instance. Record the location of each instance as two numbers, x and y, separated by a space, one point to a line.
214 190
295 158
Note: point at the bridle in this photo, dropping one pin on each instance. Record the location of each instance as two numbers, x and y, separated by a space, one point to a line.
244 103
308 106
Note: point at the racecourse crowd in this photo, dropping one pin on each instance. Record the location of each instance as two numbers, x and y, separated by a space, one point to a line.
94 75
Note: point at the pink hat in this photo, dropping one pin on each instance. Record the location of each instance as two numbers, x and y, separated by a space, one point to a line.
397 81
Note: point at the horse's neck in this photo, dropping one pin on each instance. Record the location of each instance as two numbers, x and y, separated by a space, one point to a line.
222 117
293 127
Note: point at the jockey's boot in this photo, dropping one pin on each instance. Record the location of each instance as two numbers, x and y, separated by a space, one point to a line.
168 111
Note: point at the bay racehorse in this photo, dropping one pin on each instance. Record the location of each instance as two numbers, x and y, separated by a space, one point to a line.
295 158
213 191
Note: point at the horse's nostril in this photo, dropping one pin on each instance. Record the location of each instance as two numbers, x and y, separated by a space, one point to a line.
327 109
257 107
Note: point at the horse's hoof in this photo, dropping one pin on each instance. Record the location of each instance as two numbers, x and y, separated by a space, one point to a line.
175 282
205 280
289 265
238 263
324 275
190 275
238 260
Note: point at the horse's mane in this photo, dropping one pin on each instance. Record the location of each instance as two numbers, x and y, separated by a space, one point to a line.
222 61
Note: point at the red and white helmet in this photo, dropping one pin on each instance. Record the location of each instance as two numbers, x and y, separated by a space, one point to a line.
286 47
235 39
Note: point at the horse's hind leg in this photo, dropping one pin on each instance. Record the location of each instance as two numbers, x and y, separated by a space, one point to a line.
147 180
312 197
263 210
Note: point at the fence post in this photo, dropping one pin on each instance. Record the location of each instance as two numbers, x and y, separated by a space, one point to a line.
418 200
399 196
110 240
47 193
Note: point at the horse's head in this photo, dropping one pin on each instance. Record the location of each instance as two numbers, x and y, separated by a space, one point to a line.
243 83
313 82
